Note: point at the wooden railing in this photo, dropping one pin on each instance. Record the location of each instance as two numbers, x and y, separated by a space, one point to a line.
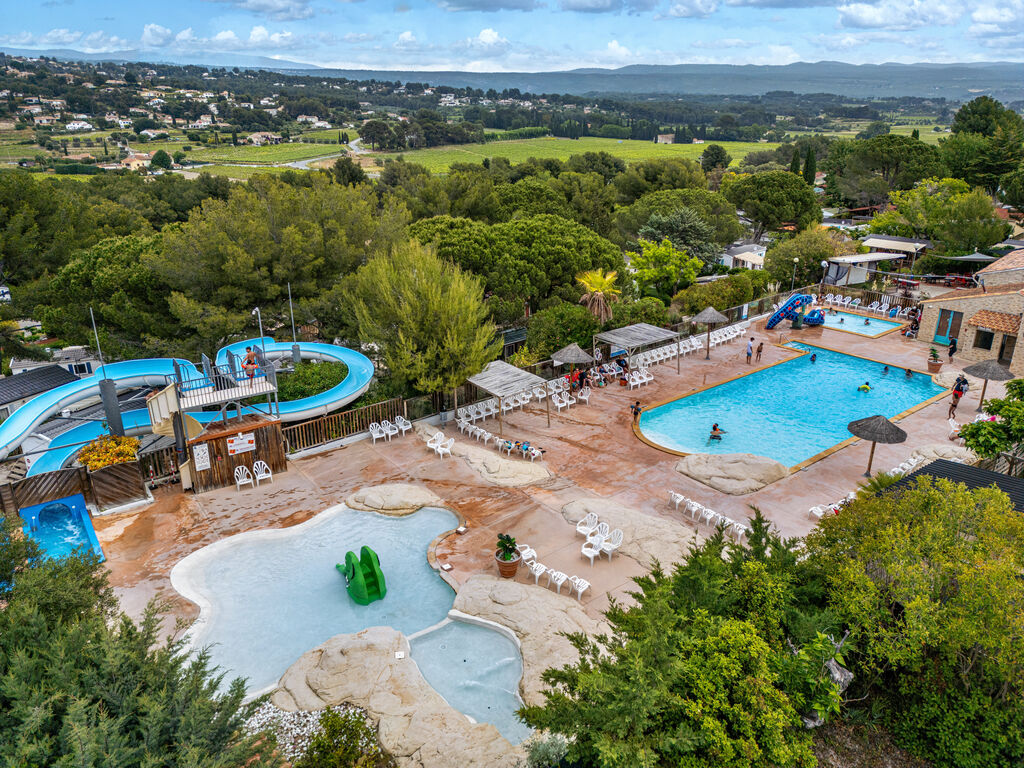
335 426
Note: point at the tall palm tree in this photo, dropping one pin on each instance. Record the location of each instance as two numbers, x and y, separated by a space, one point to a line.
599 292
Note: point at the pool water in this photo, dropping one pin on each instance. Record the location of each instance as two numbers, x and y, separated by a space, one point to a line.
788 412
270 596
855 324
61 528
477 670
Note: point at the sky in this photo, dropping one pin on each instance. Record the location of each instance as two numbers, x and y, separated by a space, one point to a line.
529 35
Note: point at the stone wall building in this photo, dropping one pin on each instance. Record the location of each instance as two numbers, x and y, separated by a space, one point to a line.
985 321
1007 270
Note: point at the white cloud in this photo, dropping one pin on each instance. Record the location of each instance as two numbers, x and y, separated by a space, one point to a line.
999 26
93 42
618 51
279 10
727 42
489 37
688 9
155 36
359 37
406 40
900 14
488 5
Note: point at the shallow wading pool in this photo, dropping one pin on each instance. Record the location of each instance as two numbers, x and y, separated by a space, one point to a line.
852 323
267 597
790 411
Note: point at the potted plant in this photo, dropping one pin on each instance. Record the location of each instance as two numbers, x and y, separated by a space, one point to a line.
507 556
934 363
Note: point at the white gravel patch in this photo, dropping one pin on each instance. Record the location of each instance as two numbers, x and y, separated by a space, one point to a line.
294 730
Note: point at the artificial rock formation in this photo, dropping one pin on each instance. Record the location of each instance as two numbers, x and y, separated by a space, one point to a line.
950 451
537 616
393 498
948 378
414 723
492 466
645 537
733 473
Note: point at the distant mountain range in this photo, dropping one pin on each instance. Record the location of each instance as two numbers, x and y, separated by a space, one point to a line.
163 57
1002 80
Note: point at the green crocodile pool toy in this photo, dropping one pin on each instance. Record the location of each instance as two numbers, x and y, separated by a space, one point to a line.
363 577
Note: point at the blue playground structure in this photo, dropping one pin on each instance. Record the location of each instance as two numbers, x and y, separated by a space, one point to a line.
790 311
205 384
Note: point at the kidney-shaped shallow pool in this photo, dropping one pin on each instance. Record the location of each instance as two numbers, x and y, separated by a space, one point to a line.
267 597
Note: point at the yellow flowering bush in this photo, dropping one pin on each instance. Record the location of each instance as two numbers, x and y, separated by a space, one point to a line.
107 450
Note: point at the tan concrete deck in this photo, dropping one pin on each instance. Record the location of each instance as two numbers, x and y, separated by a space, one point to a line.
591 451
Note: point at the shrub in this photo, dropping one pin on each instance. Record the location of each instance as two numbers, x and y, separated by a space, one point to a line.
310 379
108 450
559 325
345 740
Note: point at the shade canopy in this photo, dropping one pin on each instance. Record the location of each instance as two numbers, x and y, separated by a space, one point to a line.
709 316
636 335
571 355
990 370
977 258
501 379
877 429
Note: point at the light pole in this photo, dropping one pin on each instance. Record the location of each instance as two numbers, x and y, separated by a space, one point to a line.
792 283
259 319
824 272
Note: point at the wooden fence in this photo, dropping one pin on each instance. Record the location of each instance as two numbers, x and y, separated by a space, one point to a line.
117 484
335 426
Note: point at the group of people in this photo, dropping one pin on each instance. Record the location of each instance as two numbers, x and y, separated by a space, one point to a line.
751 351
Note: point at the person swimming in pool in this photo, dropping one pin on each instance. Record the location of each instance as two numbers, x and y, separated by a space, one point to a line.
716 433
865 387
885 371
909 374
841 319
867 321
814 357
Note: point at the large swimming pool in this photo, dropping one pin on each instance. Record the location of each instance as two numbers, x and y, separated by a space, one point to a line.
848 321
789 411
267 597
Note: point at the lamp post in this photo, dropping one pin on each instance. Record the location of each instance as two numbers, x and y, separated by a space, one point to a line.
824 272
259 319
792 283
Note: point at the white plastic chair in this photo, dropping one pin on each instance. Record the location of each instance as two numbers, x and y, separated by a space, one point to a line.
243 477
262 471
389 429
435 440
582 585
584 395
377 432
600 532
446 447
538 569
403 424
557 578
587 525
612 543
559 402
589 550
676 498
535 453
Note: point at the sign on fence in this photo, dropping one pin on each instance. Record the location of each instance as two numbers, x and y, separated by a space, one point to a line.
201 456
242 443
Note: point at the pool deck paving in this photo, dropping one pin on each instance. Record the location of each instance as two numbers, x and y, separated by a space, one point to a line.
591 451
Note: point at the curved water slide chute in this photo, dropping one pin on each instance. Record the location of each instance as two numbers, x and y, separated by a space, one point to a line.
158 372
788 310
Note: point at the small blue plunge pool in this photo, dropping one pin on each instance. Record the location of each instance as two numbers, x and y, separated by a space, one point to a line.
790 411
61 527
267 597
862 325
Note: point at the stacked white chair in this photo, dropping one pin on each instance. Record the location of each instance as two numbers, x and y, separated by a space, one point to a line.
702 514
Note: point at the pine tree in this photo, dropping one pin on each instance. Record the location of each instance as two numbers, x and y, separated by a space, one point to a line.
794 164
915 134
810 166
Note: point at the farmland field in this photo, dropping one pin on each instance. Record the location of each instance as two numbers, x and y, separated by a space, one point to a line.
280 153
440 159
240 172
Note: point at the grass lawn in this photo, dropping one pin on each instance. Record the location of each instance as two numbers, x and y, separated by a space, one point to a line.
280 153
440 159
928 136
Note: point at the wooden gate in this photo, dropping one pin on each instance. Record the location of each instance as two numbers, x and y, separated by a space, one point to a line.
117 484
48 486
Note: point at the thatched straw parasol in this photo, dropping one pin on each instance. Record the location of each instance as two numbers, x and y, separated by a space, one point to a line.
989 370
877 429
571 355
709 316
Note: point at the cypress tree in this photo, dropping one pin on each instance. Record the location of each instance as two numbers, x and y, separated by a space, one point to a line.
794 165
915 134
810 166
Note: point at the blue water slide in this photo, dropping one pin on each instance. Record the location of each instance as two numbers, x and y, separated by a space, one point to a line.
788 310
157 372
814 317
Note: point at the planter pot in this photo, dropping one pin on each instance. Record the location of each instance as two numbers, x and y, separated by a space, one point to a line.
934 366
507 568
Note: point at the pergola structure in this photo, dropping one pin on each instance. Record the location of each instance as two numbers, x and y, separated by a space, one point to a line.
503 380
633 337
